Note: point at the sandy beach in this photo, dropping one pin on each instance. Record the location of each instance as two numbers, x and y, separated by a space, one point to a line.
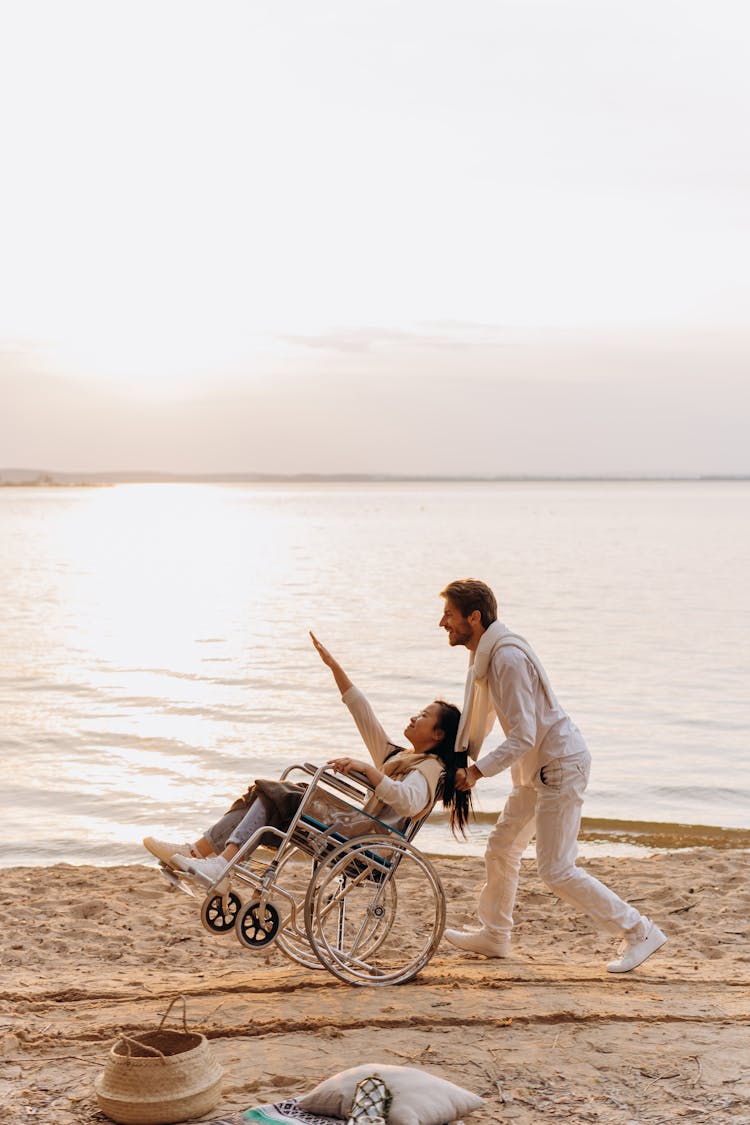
90 952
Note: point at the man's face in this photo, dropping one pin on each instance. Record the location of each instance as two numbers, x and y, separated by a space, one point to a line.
459 629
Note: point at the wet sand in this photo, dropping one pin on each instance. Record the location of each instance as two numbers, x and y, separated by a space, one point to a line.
88 953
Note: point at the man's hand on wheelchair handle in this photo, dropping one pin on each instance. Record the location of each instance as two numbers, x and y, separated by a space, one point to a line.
467 779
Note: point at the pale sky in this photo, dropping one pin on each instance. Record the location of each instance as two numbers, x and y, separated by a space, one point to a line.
504 236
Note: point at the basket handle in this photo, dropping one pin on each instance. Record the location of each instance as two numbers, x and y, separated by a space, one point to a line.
141 1047
169 1009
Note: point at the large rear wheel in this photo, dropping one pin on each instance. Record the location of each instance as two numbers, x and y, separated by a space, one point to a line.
294 873
375 911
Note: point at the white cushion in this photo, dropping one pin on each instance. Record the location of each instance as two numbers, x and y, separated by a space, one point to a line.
419 1098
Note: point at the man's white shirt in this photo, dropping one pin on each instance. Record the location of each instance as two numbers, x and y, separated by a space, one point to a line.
537 729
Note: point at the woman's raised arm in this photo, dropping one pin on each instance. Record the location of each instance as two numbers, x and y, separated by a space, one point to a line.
343 683
370 730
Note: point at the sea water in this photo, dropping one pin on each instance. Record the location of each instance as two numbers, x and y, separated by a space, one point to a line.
155 653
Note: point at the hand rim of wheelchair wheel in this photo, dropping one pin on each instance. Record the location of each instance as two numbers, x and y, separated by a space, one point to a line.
292 943
213 910
352 967
261 931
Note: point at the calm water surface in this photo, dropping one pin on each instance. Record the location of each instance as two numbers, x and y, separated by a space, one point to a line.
155 655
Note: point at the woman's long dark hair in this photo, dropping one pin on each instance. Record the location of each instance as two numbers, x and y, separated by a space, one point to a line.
459 802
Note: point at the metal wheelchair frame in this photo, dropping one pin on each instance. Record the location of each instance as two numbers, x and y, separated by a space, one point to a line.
327 901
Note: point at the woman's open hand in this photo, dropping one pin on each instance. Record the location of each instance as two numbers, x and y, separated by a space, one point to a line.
322 651
343 683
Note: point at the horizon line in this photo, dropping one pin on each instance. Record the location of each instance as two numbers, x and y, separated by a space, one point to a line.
10 477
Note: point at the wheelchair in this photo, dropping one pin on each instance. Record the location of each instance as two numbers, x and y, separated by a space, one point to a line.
370 909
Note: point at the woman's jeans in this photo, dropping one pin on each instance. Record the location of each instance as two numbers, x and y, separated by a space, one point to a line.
550 806
238 825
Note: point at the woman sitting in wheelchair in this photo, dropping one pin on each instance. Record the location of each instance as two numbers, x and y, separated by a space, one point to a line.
405 782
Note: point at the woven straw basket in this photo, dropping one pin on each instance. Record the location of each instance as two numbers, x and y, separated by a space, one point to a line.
158 1077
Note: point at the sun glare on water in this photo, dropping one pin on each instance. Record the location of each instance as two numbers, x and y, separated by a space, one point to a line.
162 589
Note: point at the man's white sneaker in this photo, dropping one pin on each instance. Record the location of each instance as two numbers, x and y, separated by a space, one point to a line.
209 870
165 851
479 941
634 950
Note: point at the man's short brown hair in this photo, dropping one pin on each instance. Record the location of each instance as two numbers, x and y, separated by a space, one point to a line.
469 594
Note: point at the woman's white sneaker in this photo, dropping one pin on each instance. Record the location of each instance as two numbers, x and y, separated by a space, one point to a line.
166 851
482 941
209 870
634 950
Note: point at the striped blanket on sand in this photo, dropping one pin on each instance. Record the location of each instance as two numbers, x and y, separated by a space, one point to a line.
278 1113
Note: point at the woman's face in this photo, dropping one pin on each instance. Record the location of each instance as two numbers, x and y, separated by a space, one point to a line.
422 728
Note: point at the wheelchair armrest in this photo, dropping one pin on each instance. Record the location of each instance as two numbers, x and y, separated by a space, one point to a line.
361 779
337 782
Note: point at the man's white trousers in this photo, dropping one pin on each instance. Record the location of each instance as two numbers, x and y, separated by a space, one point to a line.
550 807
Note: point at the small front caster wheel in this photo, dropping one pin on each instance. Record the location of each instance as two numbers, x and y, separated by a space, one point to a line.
219 912
256 929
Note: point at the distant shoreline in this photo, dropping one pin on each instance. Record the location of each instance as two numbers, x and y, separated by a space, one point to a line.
39 478
643 833
635 836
